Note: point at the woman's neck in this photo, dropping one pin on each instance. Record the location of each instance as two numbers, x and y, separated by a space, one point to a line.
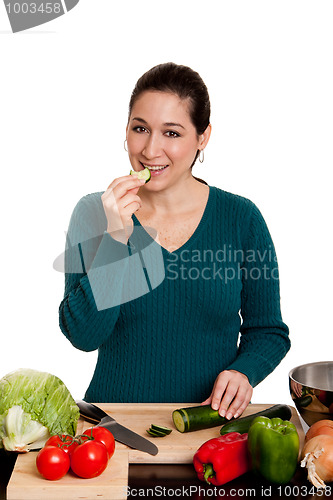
181 198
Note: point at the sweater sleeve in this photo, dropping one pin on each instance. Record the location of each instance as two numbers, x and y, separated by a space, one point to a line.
264 339
95 265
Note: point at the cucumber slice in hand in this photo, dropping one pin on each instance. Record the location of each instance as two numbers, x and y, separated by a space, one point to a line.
142 174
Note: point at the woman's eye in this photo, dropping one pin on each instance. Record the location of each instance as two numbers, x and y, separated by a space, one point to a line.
171 133
140 129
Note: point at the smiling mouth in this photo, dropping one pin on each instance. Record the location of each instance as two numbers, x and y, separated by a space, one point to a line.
154 168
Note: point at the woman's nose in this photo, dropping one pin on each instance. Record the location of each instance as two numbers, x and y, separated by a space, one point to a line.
153 147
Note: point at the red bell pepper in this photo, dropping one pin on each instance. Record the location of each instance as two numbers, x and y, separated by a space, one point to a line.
222 459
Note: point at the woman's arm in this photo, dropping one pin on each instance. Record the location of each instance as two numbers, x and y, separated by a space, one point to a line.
95 265
101 273
264 337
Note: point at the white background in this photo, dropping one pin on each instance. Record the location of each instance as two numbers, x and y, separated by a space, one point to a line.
65 88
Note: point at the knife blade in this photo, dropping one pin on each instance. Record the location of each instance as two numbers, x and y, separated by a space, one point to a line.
96 415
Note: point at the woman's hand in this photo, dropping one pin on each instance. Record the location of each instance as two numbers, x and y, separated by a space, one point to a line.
120 201
231 394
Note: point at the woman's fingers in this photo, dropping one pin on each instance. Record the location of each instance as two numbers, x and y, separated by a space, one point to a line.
240 402
121 185
127 200
123 178
120 201
231 394
131 208
117 190
219 391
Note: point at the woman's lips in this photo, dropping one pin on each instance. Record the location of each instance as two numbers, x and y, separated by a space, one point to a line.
154 173
155 170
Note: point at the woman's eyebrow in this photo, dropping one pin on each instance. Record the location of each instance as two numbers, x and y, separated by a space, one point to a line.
171 124
139 120
167 124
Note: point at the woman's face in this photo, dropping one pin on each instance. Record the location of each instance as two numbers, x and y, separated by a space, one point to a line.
161 136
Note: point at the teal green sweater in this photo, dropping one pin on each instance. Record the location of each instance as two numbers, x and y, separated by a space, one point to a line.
167 323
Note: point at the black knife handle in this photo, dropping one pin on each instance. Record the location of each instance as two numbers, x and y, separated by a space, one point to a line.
90 412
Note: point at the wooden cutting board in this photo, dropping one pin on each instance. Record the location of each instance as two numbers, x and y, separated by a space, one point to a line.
177 447
27 484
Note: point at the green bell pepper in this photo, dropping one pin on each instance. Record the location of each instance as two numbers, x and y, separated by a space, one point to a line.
273 446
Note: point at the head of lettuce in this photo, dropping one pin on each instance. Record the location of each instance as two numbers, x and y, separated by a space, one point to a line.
34 405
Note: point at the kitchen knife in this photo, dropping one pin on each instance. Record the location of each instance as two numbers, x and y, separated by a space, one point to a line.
94 414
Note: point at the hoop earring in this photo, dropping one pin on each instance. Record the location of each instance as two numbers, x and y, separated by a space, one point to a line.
125 145
201 156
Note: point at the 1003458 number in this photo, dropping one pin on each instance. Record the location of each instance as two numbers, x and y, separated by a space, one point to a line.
34 8
303 491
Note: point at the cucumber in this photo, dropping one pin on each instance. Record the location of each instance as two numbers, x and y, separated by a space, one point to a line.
242 424
142 174
159 428
195 418
158 431
153 433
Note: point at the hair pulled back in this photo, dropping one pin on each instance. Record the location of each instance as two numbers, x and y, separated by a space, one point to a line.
182 81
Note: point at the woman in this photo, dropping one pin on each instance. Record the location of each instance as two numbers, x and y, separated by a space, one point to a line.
177 340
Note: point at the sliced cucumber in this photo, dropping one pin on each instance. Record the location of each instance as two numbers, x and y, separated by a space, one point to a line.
160 428
154 434
158 431
142 174
197 417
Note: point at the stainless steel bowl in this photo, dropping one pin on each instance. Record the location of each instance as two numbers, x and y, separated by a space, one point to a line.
311 389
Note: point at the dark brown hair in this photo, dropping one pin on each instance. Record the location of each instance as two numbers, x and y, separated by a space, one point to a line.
186 84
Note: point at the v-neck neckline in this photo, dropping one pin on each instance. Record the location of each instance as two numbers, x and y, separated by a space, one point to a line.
195 234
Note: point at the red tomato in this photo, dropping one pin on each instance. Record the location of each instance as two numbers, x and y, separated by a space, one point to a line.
52 462
89 459
104 436
64 442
